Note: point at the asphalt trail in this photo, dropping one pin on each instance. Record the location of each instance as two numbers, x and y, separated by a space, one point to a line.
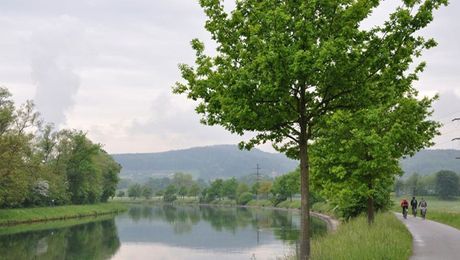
432 240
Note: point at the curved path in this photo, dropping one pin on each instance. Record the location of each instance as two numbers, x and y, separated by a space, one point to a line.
432 240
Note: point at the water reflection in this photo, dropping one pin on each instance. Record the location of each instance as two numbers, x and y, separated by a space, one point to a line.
285 224
94 240
166 232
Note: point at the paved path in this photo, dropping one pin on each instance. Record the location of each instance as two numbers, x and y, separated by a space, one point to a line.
432 240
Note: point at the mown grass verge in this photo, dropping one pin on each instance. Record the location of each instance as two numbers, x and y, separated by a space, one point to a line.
388 238
30 215
56 224
449 218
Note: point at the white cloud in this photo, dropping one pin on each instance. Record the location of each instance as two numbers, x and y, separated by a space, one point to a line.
107 67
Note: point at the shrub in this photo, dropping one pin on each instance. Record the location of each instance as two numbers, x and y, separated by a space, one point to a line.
244 198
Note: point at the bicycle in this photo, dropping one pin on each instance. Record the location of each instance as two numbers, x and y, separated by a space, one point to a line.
423 212
414 212
405 212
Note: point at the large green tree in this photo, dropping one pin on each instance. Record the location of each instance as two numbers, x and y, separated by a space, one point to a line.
357 158
280 66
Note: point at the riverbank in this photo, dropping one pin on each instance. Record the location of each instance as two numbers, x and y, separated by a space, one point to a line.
10 217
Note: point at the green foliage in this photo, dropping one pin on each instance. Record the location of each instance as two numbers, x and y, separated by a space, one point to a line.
135 191
265 188
182 191
147 192
194 190
216 190
39 166
363 167
285 186
244 198
242 187
281 68
170 194
447 184
230 188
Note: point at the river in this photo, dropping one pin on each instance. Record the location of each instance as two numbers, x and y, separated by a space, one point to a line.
164 232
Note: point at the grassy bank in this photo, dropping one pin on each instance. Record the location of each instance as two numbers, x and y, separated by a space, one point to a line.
388 238
443 211
56 224
29 215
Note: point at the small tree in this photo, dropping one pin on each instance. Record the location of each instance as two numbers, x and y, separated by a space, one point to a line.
265 188
147 192
170 194
447 184
121 194
182 191
242 187
135 191
194 190
229 188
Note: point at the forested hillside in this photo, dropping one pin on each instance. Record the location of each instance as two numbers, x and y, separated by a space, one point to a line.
223 161
219 161
430 161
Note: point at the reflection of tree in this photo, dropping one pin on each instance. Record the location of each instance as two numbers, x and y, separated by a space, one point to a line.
135 213
285 224
95 240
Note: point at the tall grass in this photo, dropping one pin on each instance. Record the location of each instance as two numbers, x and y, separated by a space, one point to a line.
387 238
26 215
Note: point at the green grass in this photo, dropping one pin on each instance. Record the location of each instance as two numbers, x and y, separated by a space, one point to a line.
260 203
443 211
37 226
28 215
388 238
295 204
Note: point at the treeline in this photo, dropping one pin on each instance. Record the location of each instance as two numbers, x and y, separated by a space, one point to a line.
276 191
41 166
444 184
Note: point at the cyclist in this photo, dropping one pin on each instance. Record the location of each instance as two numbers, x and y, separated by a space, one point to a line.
423 205
413 204
404 206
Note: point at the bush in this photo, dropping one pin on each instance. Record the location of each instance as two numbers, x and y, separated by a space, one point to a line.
244 198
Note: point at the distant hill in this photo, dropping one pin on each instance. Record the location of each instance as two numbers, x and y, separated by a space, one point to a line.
430 161
224 161
210 162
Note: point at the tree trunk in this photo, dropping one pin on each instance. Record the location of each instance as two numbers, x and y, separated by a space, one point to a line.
370 206
370 210
304 190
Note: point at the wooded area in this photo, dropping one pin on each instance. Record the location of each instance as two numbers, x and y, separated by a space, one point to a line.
40 166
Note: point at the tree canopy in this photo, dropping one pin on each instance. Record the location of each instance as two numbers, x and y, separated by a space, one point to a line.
41 166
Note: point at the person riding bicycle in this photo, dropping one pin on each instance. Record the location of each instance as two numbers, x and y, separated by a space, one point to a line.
413 204
423 205
404 206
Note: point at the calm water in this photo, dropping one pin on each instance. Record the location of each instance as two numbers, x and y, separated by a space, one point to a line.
166 232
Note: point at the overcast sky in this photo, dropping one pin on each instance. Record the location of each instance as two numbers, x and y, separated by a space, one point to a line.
107 67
